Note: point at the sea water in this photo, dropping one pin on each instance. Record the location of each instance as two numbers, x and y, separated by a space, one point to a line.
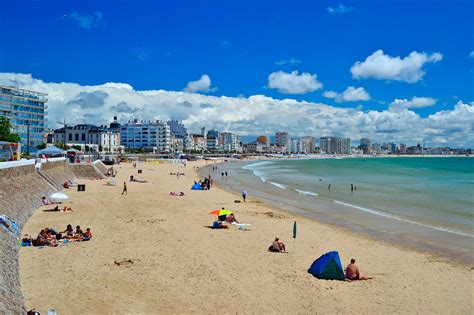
426 202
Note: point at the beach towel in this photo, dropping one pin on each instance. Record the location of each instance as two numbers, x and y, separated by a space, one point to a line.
10 226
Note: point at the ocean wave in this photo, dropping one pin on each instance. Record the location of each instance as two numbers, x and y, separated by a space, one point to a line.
281 186
254 165
391 216
303 192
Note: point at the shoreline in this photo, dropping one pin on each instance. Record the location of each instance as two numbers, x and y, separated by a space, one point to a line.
179 264
448 254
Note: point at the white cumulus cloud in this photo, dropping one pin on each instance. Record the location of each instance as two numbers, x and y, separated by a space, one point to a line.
293 83
351 94
384 67
253 115
415 102
201 85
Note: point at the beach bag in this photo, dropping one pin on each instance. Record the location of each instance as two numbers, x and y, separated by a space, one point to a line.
217 225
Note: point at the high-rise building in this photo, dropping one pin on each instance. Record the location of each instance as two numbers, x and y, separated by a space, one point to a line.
282 140
212 140
324 144
365 145
335 145
26 111
148 135
308 144
230 142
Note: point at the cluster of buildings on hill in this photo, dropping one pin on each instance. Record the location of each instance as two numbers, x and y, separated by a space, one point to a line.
26 111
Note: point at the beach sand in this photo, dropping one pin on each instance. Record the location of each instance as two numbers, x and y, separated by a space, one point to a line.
152 253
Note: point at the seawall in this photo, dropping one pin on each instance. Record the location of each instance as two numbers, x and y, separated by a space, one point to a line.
21 189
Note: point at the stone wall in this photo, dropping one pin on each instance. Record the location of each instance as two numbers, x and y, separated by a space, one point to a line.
21 189
59 172
85 171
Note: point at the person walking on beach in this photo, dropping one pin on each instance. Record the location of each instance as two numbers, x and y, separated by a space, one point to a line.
124 191
244 194
352 187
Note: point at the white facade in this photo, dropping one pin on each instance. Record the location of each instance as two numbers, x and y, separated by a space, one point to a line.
100 139
230 142
147 135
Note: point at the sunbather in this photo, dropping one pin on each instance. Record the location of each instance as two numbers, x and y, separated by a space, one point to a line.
46 201
79 235
277 246
87 234
231 218
353 273
69 232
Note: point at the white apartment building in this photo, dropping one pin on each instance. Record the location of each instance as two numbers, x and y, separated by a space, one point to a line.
100 139
154 135
230 142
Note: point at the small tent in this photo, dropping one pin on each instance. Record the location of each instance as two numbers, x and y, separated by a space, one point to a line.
196 187
328 267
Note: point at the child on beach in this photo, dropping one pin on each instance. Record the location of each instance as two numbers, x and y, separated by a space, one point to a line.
124 191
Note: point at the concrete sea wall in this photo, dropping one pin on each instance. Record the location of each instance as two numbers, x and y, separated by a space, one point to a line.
21 189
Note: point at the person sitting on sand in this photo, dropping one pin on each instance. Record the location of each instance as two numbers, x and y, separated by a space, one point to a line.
66 185
87 234
277 246
69 232
46 201
353 273
47 239
231 219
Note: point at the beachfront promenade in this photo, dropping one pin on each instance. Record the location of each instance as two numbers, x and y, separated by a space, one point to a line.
152 253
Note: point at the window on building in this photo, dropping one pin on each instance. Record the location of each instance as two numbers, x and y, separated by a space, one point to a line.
70 137
76 137
83 136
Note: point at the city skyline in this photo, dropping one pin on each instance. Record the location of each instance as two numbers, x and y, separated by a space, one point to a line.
249 74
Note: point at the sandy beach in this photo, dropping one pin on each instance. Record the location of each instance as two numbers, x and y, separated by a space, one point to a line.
153 253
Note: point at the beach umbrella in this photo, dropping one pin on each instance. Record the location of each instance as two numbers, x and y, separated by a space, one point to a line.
59 197
220 212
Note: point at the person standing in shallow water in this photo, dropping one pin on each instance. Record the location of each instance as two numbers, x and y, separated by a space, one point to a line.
124 191
329 187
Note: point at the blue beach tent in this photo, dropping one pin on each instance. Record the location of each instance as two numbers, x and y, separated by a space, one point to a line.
328 267
196 187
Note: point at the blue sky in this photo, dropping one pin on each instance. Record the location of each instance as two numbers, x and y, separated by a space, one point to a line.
155 45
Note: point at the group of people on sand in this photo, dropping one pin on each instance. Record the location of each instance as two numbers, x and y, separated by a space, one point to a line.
223 221
50 236
206 183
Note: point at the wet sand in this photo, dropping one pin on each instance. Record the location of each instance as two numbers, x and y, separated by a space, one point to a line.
152 253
